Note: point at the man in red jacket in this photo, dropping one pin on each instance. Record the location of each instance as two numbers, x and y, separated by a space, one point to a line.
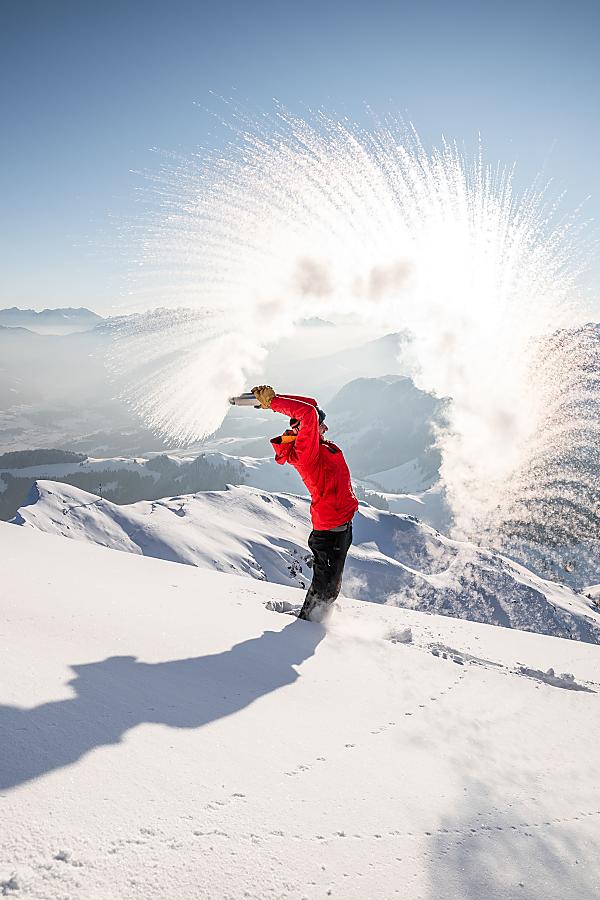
324 471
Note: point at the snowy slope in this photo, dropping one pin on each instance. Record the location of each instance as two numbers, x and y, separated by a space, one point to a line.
429 506
395 559
410 476
262 472
164 735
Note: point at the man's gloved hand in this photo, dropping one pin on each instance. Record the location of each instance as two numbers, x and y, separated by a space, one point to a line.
264 393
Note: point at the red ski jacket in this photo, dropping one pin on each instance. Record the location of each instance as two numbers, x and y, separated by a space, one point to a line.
320 464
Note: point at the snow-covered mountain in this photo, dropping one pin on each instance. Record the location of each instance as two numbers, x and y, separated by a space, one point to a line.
50 321
55 391
387 422
395 559
311 364
55 388
125 479
384 424
165 735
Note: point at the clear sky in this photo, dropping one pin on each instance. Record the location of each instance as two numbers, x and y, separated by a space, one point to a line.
87 88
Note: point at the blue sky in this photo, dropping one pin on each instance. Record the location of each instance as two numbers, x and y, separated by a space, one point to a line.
88 88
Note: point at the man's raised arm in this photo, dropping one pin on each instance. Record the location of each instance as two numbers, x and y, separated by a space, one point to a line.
302 408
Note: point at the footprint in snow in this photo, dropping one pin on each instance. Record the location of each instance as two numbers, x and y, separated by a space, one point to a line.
283 606
399 636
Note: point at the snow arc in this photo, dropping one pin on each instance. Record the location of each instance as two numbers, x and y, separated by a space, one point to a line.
299 217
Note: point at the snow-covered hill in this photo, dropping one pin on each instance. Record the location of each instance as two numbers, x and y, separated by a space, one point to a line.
258 472
125 479
164 735
395 559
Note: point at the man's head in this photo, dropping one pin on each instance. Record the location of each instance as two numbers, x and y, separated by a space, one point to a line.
295 423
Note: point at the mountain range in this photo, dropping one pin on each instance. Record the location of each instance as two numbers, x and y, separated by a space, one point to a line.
394 560
50 321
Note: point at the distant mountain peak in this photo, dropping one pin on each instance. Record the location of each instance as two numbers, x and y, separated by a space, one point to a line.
316 322
61 320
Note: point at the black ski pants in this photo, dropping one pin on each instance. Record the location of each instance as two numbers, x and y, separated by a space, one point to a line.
329 550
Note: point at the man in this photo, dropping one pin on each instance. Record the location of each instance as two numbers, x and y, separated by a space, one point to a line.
324 471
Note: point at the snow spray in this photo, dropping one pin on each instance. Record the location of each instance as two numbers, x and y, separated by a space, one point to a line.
299 217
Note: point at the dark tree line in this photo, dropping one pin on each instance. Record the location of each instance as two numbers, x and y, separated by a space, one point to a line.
128 486
24 459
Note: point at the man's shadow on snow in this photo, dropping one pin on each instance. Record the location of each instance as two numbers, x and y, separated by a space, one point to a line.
120 692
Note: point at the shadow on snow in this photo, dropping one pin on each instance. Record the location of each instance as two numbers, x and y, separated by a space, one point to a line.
121 692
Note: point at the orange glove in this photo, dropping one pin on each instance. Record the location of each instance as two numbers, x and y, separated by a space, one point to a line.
264 393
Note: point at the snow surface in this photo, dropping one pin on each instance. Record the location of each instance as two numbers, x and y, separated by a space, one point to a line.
164 735
263 472
429 506
394 559
408 477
